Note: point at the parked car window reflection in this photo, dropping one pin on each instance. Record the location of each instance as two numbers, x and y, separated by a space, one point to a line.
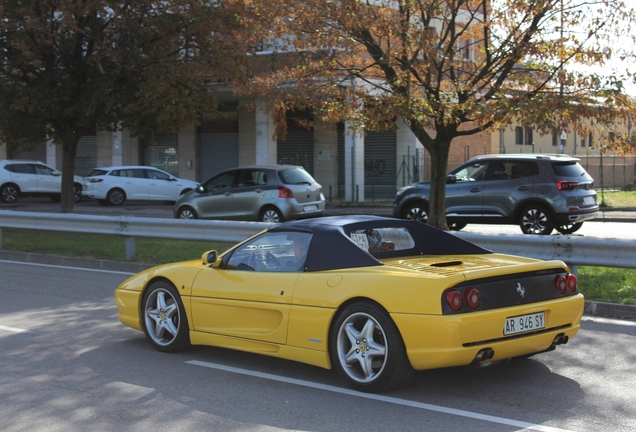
224 181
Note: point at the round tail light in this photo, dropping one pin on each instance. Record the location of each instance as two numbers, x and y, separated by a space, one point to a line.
571 282
454 300
561 284
473 298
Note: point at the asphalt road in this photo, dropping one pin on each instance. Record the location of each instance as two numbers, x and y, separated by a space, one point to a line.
67 364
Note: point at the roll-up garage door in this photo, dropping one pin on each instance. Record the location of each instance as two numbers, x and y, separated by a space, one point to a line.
298 147
218 147
86 155
160 151
379 165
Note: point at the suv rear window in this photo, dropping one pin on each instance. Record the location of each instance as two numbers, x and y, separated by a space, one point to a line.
568 169
295 176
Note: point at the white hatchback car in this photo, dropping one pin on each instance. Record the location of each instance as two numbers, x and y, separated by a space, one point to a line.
114 185
32 178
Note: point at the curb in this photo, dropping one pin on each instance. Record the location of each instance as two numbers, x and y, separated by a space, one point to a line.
612 310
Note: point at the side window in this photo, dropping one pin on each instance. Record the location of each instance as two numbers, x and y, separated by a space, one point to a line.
473 172
21 169
272 252
501 170
247 179
221 182
157 175
43 170
137 173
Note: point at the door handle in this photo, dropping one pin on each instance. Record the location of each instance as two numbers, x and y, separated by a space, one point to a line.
474 190
523 188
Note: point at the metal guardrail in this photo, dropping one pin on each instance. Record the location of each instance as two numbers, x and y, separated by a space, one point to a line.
574 250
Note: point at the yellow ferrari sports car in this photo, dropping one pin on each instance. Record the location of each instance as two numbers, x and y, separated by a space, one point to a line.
374 298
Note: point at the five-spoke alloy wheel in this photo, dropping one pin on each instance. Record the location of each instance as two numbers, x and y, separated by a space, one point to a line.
367 349
164 319
536 219
417 212
272 215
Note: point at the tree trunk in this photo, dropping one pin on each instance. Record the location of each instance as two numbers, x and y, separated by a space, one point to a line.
439 165
69 149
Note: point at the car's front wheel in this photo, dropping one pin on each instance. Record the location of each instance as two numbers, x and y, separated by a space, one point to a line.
367 349
416 211
9 193
164 319
186 213
569 228
536 219
272 215
116 197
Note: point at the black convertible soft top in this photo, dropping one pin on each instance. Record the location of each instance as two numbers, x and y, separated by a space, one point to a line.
332 248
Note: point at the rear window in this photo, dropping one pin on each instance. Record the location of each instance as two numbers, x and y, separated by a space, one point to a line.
569 169
383 239
295 176
97 172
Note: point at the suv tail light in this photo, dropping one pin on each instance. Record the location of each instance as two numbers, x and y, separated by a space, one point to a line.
566 184
284 192
95 180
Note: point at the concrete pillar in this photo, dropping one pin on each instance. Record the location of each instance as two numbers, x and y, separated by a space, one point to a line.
265 144
187 153
51 155
117 145
326 157
354 164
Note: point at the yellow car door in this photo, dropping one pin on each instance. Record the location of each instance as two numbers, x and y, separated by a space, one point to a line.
245 304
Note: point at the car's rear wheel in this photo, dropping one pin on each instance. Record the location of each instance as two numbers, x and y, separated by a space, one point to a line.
116 197
456 226
416 211
367 349
164 319
569 228
77 192
272 215
186 213
9 193
536 219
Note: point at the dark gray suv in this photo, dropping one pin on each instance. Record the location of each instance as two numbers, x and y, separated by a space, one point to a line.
539 192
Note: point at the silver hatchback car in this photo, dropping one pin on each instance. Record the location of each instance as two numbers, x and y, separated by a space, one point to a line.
263 193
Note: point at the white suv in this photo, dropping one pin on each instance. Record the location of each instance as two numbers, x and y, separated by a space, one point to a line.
32 178
114 185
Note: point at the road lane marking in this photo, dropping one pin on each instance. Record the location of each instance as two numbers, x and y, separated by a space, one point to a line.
380 398
14 329
67 267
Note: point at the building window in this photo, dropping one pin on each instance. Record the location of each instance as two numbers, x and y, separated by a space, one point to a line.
519 135
529 139
583 142
590 140
555 140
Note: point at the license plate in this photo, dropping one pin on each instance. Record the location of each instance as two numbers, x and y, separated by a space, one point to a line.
589 201
310 208
524 323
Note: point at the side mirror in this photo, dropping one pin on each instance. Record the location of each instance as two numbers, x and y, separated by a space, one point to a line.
451 178
211 257
200 189
56 173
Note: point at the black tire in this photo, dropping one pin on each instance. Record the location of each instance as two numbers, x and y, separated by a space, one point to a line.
116 197
164 320
417 211
9 193
102 201
367 349
187 213
569 228
456 226
271 214
536 219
